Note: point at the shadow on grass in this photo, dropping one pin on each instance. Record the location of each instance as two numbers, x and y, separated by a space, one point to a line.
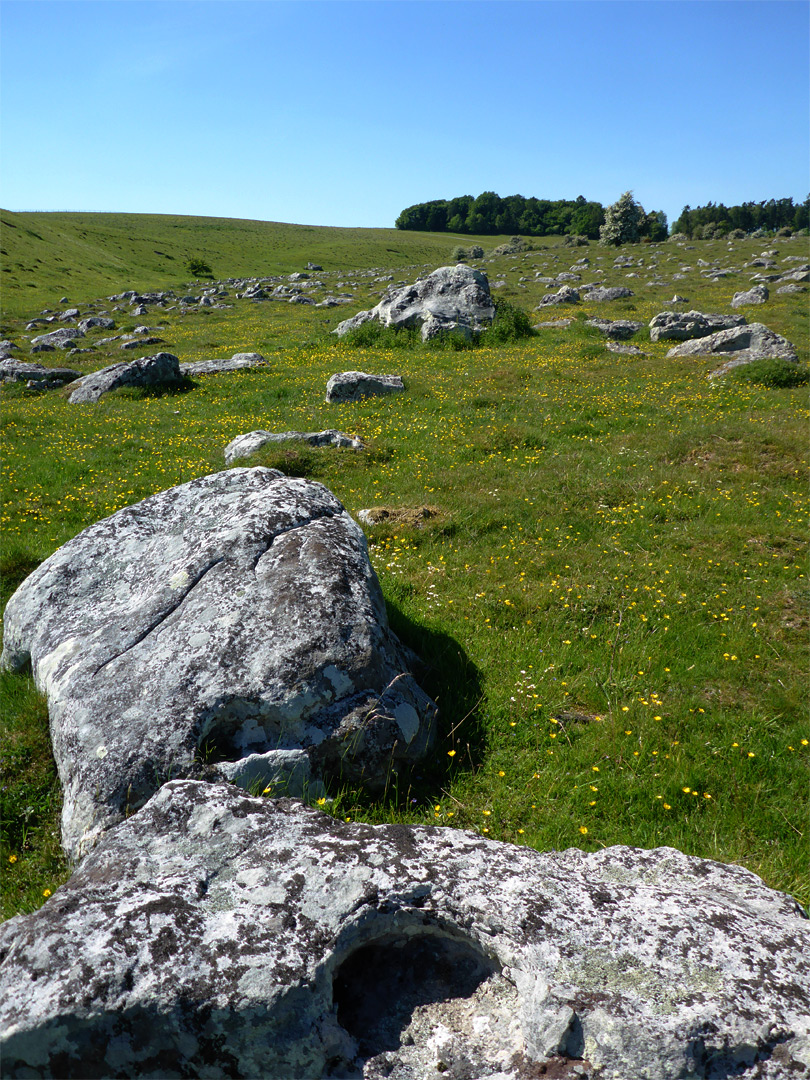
138 393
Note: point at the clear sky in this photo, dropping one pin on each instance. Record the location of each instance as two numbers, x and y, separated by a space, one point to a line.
344 113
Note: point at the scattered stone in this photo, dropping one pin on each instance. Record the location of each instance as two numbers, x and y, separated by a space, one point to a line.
140 342
43 347
619 329
792 288
236 616
552 323
334 301
59 339
96 321
801 274
564 295
354 385
451 298
628 350
676 300
162 369
757 295
742 343
23 371
238 362
214 934
685 325
245 445
314 266
602 292
298 277
71 313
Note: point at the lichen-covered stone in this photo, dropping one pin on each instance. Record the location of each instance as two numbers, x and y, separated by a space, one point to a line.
740 344
686 325
238 362
234 616
159 370
217 935
245 445
348 386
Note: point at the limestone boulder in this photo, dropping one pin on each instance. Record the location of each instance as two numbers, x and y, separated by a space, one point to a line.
348 386
451 298
218 935
162 369
238 362
28 371
97 322
742 344
603 292
686 325
236 616
59 339
245 445
564 295
617 329
757 295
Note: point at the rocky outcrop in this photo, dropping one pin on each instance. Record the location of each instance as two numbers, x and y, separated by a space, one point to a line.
93 322
29 371
757 295
238 362
59 339
245 445
355 385
686 325
617 329
162 369
234 617
564 295
451 298
742 344
213 934
602 292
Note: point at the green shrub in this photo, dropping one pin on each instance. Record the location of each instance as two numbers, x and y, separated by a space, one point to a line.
198 267
458 254
372 335
773 372
476 252
510 324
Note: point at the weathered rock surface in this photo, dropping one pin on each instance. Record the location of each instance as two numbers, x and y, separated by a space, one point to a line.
140 342
238 362
624 349
564 295
451 298
159 370
101 322
741 343
618 329
603 292
686 325
237 612
245 445
757 295
27 370
213 934
59 339
354 385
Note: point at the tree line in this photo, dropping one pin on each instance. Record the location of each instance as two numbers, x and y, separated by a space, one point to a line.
491 215
715 219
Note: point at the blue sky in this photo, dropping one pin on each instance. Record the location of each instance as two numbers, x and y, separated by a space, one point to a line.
345 113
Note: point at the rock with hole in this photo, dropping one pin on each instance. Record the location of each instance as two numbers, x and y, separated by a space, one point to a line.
229 627
214 934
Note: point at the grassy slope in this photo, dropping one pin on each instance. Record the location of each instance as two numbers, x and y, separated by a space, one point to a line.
618 546
83 256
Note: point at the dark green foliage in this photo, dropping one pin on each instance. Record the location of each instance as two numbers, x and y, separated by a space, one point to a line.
490 215
373 335
747 217
510 324
199 267
773 372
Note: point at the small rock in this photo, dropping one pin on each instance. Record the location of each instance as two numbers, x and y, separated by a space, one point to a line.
245 445
238 362
619 329
354 385
757 295
601 292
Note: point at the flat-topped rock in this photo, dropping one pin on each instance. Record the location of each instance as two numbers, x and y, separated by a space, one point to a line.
238 362
348 386
234 617
213 934
618 329
686 325
59 339
245 445
601 293
28 370
743 344
757 295
162 369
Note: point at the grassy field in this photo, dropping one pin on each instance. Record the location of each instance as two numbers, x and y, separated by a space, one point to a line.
598 556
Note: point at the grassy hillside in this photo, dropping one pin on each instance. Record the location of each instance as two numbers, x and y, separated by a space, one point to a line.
601 557
48 255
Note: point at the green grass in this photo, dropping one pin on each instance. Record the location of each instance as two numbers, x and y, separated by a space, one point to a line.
609 594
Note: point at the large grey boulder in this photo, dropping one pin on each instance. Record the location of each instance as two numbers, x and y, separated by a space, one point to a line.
618 329
603 292
238 362
245 445
236 616
564 295
159 370
59 339
686 325
217 935
355 385
92 322
451 298
757 295
29 371
742 344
